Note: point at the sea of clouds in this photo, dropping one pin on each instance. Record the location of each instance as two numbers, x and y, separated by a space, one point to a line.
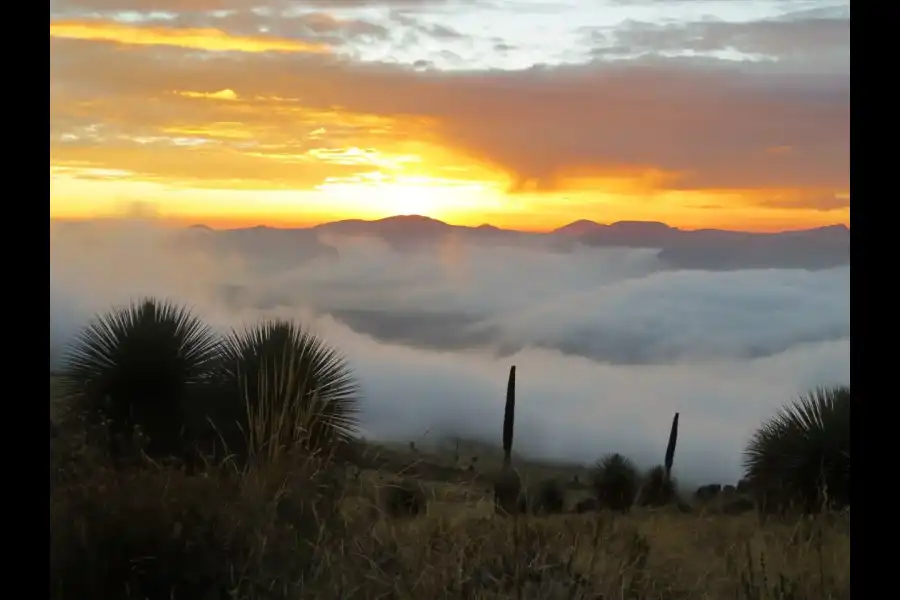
608 344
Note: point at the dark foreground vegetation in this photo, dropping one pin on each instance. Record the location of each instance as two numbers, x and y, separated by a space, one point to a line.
185 465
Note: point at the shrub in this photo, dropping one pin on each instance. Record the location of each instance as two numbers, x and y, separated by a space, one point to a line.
548 497
403 499
158 533
803 452
507 492
615 481
705 493
737 505
588 504
295 390
136 368
657 489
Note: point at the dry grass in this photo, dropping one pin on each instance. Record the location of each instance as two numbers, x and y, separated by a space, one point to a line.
290 532
297 529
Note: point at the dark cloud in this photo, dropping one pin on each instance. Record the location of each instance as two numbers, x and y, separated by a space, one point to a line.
171 6
388 3
809 41
431 29
323 23
175 6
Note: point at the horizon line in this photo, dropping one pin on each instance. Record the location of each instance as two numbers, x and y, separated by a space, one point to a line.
189 223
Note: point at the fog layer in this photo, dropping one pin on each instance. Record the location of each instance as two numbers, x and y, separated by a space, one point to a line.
608 343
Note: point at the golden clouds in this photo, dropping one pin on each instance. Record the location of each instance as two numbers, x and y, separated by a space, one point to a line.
220 140
211 40
200 164
624 140
217 138
220 95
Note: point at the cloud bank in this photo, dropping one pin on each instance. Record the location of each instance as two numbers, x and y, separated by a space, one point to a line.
608 345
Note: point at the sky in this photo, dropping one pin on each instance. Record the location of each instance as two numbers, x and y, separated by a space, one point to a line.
608 342
526 114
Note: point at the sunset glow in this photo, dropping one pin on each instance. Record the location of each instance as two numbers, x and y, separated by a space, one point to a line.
289 117
207 40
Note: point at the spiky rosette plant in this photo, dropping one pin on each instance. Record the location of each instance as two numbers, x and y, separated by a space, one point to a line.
137 367
804 451
615 481
296 391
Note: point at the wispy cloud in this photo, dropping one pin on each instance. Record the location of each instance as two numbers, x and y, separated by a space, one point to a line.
210 40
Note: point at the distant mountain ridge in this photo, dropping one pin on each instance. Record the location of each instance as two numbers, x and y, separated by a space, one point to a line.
709 249
418 224
715 249
585 227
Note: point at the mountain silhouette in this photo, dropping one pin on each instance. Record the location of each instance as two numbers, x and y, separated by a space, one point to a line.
714 249
708 249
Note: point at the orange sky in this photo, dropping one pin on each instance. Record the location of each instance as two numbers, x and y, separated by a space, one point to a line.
208 123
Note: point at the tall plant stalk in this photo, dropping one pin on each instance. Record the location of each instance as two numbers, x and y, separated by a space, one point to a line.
670 449
509 416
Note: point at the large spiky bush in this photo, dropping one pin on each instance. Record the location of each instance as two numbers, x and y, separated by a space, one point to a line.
136 367
804 451
615 481
295 391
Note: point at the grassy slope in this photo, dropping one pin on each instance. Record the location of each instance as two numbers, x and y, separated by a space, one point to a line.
460 550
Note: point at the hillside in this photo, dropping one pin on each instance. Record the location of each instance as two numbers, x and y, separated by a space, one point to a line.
336 534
